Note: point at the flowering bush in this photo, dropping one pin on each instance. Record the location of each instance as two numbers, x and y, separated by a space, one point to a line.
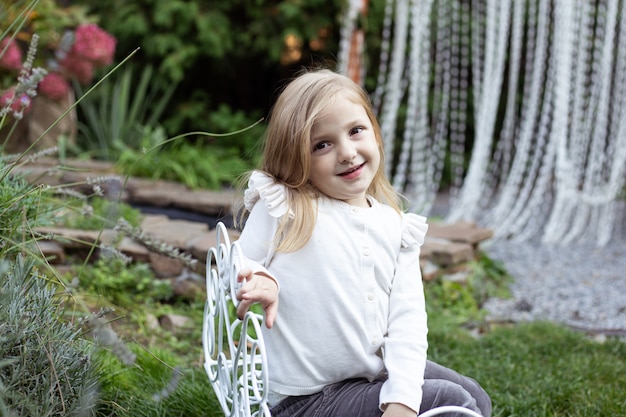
12 58
70 47
14 102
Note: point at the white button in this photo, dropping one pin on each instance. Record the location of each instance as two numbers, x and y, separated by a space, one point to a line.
370 297
366 252
355 209
374 340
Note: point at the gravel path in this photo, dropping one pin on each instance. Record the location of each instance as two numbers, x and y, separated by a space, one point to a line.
580 286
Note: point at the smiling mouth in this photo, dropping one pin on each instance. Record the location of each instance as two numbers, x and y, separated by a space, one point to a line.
351 170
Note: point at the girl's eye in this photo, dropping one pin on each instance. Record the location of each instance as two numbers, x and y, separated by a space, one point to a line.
356 130
320 145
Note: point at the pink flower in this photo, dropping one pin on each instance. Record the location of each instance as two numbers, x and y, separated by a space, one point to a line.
19 106
94 44
54 86
12 57
78 67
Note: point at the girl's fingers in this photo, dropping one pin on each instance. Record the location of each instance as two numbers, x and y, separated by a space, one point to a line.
243 274
257 290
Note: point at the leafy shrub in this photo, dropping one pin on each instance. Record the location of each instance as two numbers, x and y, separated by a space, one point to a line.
246 141
462 300
235 55
194 164
488 278
123 285
45 368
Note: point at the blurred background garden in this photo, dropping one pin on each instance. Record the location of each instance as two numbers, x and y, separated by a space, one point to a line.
477 104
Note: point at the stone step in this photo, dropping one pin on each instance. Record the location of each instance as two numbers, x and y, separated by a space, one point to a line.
447 247
196 239
81 176
462 232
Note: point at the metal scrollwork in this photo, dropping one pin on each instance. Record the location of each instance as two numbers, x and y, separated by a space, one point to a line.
234 351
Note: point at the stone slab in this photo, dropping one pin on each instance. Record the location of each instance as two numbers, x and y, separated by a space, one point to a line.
53 252
173 232
445 253
464 232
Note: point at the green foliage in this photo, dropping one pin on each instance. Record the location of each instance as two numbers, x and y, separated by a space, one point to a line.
115 116
198 162
104 214
220 51
452 299
183 343
123 285
45 368
220 30
194 164
121 123
224 120
488 278
461 300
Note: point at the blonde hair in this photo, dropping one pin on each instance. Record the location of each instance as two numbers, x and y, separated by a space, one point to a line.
287 151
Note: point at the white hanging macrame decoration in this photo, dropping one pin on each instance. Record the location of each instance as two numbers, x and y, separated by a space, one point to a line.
543 83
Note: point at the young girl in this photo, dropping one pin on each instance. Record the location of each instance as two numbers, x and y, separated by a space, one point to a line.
335 264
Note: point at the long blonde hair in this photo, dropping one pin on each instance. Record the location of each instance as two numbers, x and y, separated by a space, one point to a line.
287 151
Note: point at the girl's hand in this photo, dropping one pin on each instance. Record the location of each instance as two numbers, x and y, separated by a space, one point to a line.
257 288
398 410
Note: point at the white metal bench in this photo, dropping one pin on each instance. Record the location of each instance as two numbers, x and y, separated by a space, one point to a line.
234 351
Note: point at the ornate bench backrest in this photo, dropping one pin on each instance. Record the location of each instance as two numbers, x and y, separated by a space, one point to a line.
234 350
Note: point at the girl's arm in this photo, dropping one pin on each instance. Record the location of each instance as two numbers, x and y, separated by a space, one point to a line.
256 243
406 340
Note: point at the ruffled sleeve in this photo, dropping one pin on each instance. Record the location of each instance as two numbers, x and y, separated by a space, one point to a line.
414 230
273 195
407 325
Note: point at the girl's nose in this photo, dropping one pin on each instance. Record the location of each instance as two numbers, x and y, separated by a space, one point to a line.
347 151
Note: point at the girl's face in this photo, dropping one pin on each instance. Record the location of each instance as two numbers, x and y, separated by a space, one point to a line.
344 152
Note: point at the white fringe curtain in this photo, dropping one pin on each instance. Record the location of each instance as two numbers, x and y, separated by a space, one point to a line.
544 84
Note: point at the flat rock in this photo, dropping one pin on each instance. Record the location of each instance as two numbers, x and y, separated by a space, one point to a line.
173 232
447 253
464 232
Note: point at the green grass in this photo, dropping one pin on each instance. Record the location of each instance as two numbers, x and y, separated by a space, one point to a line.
539 369
157 385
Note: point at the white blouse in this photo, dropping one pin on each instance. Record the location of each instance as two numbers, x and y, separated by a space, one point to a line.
351 302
